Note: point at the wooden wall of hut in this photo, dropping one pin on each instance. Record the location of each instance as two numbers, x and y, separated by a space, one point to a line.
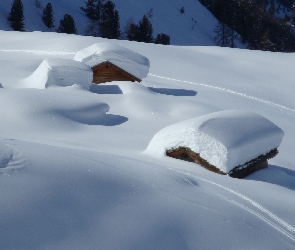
107 72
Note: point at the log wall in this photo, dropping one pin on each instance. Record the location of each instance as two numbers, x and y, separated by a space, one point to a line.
107 72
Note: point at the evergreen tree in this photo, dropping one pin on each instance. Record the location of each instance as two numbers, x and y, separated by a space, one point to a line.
91 10
162 39
67 25
16 16
131 30
110 21
145 31
223 33
47 17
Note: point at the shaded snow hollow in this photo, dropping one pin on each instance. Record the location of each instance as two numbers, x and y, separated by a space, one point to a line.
225 139
60 72
128 60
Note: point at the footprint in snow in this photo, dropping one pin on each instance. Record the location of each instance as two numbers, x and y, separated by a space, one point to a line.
11 159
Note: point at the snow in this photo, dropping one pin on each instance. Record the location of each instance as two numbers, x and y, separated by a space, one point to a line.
60 72
73 171
225 139
126 59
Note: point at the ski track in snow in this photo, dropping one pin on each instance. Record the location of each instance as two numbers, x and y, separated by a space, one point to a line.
39 52
275 105
258 210
262 213
265 215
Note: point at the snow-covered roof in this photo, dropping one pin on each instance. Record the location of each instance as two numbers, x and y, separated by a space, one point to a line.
60 72
225 139
126 59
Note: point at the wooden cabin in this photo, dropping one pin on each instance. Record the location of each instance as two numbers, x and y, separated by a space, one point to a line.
108 72
261 162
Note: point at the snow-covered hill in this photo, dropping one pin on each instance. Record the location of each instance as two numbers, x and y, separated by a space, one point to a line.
194 27
75 174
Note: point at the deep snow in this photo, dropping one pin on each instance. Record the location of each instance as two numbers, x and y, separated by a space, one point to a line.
74 174
126 59
226 139
60 72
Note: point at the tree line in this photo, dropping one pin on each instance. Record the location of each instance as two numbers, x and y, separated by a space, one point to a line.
256 23
103 21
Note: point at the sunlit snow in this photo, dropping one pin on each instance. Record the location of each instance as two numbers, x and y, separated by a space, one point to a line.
225 139
73 172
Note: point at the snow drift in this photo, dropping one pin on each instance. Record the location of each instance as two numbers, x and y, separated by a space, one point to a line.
60 72
128 60
225 139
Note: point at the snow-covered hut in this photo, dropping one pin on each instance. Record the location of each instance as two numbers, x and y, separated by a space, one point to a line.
112 62
233 142
60 72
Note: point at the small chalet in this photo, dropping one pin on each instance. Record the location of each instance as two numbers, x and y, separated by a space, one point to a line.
233 142
111 62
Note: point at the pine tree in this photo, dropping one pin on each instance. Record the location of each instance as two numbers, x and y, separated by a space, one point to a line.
91 9
162 39
145 30
110 21
131 30
223 35
47 17
16 16
67 25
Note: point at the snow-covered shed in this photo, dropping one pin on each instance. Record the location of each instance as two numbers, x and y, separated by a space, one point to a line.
112 62
60 72
232 142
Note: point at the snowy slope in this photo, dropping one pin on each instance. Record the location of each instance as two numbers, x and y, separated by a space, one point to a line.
73 171
194 27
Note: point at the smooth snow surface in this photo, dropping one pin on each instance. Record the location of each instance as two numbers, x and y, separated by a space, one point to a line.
225 139
60 72
73 174
132 62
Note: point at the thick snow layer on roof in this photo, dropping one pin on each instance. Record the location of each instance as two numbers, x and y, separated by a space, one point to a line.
5 155
225 139
60 72
129 60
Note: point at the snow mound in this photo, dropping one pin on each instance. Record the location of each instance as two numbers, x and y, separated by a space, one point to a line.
128 60
60 72
133 87
225 139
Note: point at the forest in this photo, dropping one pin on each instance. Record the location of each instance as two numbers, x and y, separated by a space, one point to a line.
256 22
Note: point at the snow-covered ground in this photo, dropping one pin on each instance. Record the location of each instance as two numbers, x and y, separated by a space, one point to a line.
74 172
